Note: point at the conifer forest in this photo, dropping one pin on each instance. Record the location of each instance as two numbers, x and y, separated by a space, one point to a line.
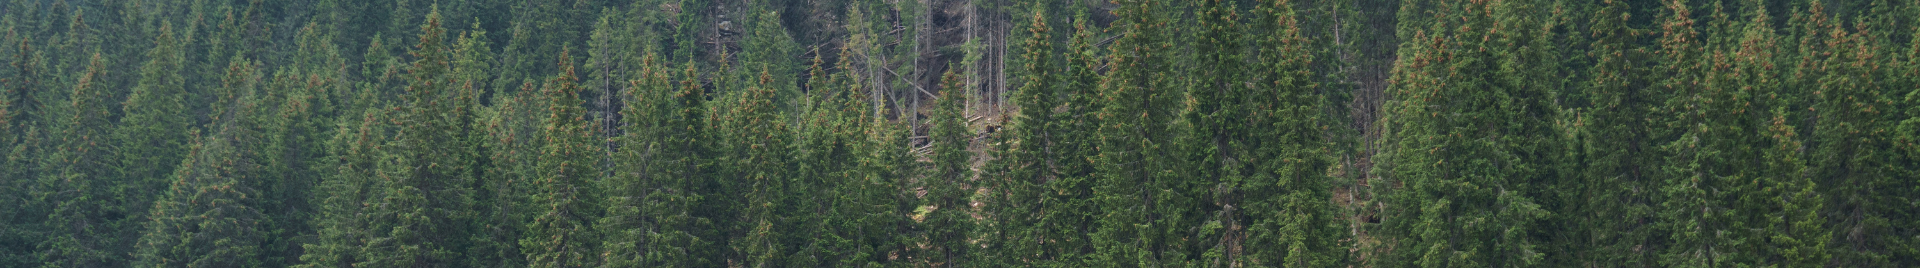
959 133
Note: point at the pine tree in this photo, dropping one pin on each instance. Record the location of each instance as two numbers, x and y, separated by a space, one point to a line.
565 204
420 222
206 219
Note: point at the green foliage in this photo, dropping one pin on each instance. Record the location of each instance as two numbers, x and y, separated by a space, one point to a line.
1615 141
756 168
1470 136
206 218
421 220
944 214
566 204
1229 133
1285 190
78 182
1022 160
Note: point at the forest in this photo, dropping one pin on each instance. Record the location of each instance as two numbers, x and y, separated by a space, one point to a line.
959 133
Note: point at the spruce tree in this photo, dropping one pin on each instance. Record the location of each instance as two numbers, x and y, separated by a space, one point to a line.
1215 102
1682 208
206 218
758 144
651 201
1024 157
348 186
1904 192
1285 193
420 222
826 141
1141 198
944 217
1070 206
1735 178
79 179
566 204
512 143
1849 158
1469 137
877 217
1615 201
152 135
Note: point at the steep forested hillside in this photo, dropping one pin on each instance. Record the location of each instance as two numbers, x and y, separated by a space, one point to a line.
960 133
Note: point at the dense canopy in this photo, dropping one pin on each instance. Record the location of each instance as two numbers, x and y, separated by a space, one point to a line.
960 133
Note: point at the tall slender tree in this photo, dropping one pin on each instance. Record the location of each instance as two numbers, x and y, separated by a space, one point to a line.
152 135
206 218
420 221
565 204
1285 194
1469 137
79 179
1025 157
1616 146
1137 191
759 174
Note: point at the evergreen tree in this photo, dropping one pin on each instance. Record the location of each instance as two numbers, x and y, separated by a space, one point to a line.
1142 199
1849 161
1735 178
1903 193
20 138
1024 158
759 141
1469 136
565 204
513 144
79 179
153 134
1615 197
1214 103
1070 207
877 216
650 218
768 43
944 217
826 142
345 191
420 222
206 218
1284 193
